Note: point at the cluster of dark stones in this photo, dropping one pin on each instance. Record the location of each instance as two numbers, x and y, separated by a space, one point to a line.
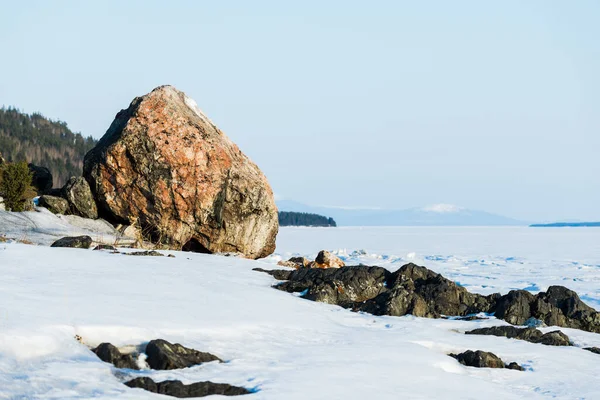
421 292
85 242
162 355
75 198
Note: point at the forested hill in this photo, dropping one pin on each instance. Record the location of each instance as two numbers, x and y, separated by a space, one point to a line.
43 142
287 218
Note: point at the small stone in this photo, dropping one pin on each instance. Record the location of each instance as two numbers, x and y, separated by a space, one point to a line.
515 366
327 260
111 354
77 242
105 247
151 253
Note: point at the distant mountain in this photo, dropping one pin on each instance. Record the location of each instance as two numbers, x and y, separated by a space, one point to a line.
436 215
43 142
566 224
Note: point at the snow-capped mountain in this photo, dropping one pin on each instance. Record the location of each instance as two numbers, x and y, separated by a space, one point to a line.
433 215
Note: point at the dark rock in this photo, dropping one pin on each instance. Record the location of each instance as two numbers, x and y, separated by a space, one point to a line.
421 292
467 318
593 349
479 359
81 202
165 167
483 359
42 178
79 242
105 247
410 290
341 286
557 306
56 205
515 366
110 354
152 253
554 338
178 389
278 274
164 355
56 192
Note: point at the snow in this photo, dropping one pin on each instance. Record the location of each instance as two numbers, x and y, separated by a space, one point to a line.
43 227
191 103
278 344
442 208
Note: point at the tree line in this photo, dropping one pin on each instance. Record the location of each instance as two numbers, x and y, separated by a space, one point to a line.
36 139
289 218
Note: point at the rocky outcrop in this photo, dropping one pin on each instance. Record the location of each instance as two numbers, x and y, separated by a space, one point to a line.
554 338
164 355
165 167
78 242
421 292
178 389
410 290
41 178
79 196
557 306
56 205
111 354
483 359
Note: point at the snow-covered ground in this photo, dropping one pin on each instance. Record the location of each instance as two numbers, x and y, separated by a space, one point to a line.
43 227
280 345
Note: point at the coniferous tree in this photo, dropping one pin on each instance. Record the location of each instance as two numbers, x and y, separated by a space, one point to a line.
15 186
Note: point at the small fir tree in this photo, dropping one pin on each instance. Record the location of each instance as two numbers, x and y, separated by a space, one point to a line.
15 186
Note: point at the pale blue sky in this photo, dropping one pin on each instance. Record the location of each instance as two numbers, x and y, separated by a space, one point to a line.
487 105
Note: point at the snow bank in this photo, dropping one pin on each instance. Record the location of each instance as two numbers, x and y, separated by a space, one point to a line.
283 346
43 227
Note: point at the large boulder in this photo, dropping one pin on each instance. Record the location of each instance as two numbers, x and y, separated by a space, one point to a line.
78 194
41 178
164 166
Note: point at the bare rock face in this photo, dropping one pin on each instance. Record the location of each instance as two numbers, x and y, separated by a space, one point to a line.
80 199
165 167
